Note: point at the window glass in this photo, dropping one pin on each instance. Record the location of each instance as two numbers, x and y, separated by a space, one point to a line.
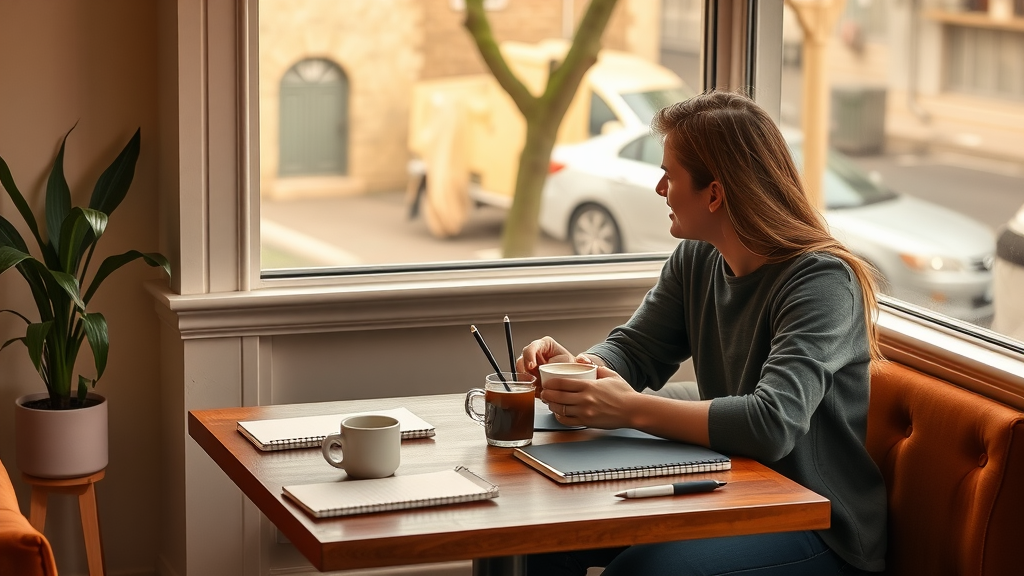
652 152
385 141
600 113
925 167
645 104
633 150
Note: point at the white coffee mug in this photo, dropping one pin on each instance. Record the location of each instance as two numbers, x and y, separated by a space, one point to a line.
572 370
370 446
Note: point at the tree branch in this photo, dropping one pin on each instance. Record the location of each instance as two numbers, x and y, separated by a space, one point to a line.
480 29
566 77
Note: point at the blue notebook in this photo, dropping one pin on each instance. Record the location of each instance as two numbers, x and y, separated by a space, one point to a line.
619 454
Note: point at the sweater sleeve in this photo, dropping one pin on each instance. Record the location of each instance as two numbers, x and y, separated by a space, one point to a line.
648 349
817 330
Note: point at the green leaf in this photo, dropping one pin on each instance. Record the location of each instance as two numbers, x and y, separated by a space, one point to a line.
52 278
113 184
12 341
35 340
112 263
35 273
78 224
70 285
11 257
9 236
58 195
83 388
18 314
19 201
96 332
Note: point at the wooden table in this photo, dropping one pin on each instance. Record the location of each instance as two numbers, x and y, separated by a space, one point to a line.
532 514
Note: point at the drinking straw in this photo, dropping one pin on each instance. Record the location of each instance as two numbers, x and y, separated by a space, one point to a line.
490 357
508 340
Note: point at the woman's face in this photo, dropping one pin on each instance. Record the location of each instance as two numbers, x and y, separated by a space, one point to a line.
688 208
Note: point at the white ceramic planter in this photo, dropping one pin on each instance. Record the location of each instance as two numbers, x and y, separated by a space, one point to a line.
60 443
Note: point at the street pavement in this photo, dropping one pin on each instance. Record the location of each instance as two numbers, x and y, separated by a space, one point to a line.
375 229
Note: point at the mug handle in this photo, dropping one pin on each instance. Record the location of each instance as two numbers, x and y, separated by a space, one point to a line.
470 396
329 442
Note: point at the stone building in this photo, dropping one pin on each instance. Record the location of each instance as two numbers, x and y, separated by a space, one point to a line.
336 78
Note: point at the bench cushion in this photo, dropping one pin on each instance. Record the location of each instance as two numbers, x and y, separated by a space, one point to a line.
953 463
23 550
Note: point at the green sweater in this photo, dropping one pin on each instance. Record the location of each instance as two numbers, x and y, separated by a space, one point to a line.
783 354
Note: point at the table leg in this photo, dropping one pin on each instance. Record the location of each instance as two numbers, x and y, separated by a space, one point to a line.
500 566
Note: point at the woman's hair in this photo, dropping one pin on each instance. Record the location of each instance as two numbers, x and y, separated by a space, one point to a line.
727 137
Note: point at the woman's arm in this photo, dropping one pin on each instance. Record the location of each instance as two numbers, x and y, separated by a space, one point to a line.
610 402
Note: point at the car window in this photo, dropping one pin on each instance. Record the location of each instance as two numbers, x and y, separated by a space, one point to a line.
645 104
600 113
651 153
644 149
846 185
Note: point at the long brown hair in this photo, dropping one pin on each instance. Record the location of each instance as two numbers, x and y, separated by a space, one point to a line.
727 137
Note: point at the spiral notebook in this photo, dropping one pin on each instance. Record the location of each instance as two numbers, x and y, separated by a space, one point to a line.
310 431
619 454
348 497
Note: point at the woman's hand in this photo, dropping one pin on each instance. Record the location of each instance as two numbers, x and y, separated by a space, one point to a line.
601 403
540 352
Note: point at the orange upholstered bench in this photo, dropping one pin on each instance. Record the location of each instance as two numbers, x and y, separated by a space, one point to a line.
23 550
953 463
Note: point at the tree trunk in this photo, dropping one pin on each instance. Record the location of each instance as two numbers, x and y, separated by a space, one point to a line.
521 231
543 114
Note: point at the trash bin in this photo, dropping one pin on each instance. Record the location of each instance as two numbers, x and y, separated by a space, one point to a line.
858 118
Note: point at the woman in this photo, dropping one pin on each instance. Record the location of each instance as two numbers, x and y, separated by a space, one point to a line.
777 318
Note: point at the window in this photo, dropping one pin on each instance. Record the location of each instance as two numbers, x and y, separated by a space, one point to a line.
897 197
925 106
600 113
986 62
386 145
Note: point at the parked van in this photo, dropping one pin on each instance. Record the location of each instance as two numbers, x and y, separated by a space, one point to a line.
466 134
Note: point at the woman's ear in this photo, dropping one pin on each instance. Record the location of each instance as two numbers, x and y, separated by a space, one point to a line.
716 196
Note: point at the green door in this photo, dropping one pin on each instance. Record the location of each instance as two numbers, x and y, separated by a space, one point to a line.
314 119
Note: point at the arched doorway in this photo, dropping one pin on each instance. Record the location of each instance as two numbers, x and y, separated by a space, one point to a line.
314 119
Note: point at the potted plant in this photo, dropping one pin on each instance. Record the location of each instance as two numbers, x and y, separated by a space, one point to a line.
63 432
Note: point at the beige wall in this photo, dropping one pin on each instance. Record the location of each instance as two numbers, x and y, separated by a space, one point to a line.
93 63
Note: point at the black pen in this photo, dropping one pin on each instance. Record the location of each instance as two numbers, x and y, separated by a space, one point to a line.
672 489
511 348
490 357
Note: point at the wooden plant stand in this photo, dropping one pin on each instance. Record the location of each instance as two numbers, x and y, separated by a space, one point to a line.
81 486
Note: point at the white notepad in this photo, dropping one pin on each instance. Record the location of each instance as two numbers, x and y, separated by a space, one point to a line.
348 497
310 431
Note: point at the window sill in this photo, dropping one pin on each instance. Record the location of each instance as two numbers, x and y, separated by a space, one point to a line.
540 293
296 306
968 362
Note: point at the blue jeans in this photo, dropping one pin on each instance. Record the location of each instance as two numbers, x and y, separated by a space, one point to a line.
780 554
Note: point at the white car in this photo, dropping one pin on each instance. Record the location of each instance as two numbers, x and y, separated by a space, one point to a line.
600 197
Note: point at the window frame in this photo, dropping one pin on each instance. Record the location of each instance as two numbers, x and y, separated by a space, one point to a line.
218 289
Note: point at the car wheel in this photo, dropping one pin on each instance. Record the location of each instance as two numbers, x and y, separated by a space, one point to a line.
592 230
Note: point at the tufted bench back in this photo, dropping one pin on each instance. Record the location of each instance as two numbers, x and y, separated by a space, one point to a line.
953 463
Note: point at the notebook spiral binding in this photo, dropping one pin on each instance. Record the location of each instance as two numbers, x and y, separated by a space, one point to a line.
647 471
316 441
419 502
